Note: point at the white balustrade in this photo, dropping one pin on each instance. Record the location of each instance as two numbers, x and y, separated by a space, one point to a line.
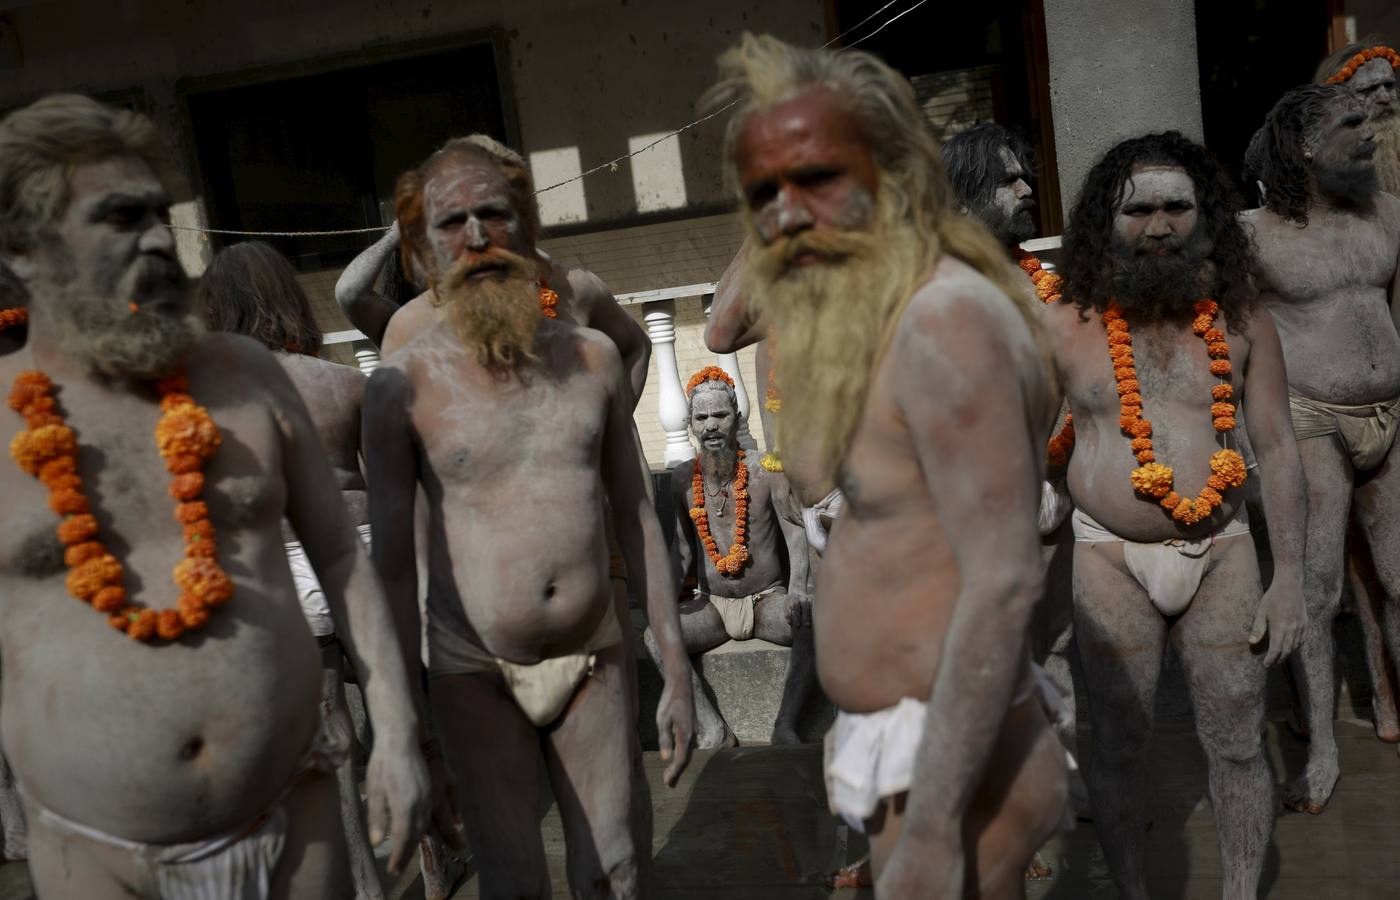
729 362
367 356
674 412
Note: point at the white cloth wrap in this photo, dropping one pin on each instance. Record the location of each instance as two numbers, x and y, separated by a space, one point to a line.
309 594
829 506
1055 505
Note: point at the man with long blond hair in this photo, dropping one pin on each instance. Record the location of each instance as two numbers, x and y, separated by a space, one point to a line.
877 290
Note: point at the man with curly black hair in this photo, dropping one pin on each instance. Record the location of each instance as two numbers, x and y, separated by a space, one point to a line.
1327 241
1158 340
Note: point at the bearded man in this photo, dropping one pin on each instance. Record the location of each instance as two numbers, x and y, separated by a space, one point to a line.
201 770
1368 68
518 426
1161 342
749 560
874 287
1327 242
989 169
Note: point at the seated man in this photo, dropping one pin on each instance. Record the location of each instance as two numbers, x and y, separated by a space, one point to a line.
519 428
251 289
758 588
1160 345
190 758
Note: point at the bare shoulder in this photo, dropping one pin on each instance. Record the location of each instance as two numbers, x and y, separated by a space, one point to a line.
224 353
595 348
587 287
959 306
408 322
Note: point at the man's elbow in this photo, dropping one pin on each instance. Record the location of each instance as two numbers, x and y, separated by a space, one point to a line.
1014 593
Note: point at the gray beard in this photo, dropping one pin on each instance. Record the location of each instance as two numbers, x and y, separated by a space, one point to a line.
93 324
719 465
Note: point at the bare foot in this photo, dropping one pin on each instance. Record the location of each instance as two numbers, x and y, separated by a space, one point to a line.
1038 870
856 875
1387 724
442 872
1310 793
784 734
722 740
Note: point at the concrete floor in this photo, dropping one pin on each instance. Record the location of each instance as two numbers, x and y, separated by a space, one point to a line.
751 823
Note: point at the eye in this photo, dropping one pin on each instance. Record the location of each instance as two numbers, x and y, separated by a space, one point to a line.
762 194
815 178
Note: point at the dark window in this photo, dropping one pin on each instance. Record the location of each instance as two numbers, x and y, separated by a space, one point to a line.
322 152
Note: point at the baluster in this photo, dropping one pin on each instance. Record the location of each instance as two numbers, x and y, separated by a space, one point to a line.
673 410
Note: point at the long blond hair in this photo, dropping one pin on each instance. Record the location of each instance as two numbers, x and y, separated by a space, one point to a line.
915 200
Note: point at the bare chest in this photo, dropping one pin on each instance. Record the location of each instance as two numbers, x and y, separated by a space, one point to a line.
1331 255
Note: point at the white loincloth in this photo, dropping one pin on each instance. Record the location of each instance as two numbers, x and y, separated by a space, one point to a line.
1055 505
541 690
309 594
236 865
871 756
1169 571
737 613
828 507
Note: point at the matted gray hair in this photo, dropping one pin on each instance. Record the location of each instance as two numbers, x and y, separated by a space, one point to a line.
41 143
713 385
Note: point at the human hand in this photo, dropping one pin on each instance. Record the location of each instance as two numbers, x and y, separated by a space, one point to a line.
799 610
444 820
398 790
675 723
931 869
1283 616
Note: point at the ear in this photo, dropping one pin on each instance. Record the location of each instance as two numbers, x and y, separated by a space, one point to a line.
20 263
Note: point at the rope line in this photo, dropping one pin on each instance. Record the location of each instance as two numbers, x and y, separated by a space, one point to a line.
611 164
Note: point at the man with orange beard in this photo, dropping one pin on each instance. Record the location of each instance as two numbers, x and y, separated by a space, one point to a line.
518 426
875 287
1368 68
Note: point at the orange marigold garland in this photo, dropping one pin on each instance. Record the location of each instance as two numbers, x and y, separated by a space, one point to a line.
9 318
1347 71
1151 478
186 437
738 555
548 300
1048 285
709 373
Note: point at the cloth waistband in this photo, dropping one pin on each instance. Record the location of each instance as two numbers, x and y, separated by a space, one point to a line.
453 653
1087 531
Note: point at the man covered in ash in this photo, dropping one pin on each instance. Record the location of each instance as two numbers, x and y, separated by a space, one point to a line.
875 287
749 560
518 427
1157 343
147 595
1327 243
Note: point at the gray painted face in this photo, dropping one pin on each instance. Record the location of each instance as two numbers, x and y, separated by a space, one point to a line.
714 420
1158 204
1374 84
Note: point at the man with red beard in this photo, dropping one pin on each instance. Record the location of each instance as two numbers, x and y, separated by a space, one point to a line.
1161 342
1327 243
874 287
518 426
189 759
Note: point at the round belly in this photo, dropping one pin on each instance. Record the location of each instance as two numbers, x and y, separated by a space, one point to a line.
163 743
1351 357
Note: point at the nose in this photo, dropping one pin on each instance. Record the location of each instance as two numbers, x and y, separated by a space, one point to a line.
1158 226
476 235
793 216
159 239
1022 189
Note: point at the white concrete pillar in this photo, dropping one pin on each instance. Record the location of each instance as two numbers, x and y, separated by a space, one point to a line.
1118 70
673 411
367 355
729 362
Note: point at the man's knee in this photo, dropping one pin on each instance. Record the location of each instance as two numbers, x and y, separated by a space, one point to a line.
1233 742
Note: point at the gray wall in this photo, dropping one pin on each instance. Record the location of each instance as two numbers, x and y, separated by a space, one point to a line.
1118 70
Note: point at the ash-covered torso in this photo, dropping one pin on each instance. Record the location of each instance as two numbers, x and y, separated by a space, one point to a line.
1173 369
1328 286
511 472
162 742
767 550
887 586
332 394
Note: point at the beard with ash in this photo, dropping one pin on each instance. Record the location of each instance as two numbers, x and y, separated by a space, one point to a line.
1010 229
719 464
496 314
136 322
1387 158
828 322
1153 288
